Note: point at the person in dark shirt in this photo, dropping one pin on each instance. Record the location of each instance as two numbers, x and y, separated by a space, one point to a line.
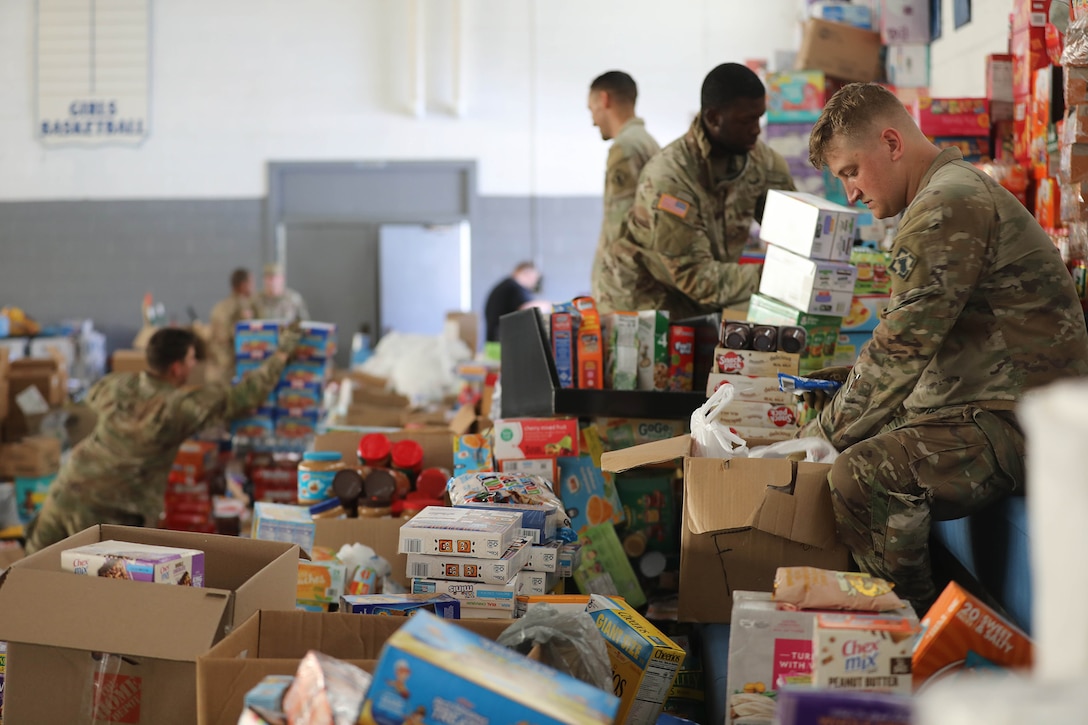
514 293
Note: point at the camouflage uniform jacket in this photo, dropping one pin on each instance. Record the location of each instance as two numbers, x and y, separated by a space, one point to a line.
982 310
632 147
688 226
225 315
289 306
142 421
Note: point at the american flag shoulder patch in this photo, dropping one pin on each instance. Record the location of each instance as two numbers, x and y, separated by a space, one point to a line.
669 203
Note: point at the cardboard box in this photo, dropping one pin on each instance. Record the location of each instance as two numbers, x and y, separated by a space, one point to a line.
999 78
381 534
1074 162
907 66
821 331
535 437
494 599
760 415
742 519
32 457
430 665
868 652
621 350
840 51
952 116
46 374
755 362
961 632
653 350
814 286
1075 85
795 96
644 661
473 533
273 642
808 225
401 605
750 389
460 568
128 361
160 631
564 343
536 582
904 21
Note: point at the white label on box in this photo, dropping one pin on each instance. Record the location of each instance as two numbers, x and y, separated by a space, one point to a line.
750 388
31 402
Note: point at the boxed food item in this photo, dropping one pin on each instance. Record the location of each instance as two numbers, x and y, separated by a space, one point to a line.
849 347
750 388
756 433
653 350
605 568
588 497
32 457
1075 82
488 571
318 341
681 358
865 313
285 523
564 334
649 507
536 582
401 605
303 397
565 603
306 372
256 339
999 79
813 286
755 362
260 424
30 494
808 225
268 693
952 116
543 557
432 670
320 581
795 96
539 522
802 706
535 437
589 352
1027 43
544 467
838 11
840 51
870 652
138 562
620 350
759 415
492 598
960 632
907 66
626 432
872 266
821 331
904 21
474 533
644 661
471 454
769 648
295 424
570 558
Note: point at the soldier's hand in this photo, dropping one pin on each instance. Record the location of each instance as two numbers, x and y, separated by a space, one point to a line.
817 400
290 336
838 374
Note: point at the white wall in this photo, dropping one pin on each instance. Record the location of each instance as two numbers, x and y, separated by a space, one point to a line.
236 83
957 60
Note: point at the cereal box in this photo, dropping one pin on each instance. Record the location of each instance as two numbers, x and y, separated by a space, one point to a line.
472 595
535 437
260 424
306 372
302 397
644 661
137 562
960 632
255 339
871 652
536 582
588 497
621 350
471 454
681 358
281 522
488 571
653 350
320 581
318 341
605 568
435 672
754 362
952 116
564 331
475 533
756 415
401 605
590 352
750 388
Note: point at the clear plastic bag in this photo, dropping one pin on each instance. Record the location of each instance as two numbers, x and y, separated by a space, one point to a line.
711 437
566 641
816 450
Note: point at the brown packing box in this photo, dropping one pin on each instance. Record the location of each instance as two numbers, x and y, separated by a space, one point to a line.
32 457
371 397
128 361
742 519
47 373
367 416
382 535
841 51
468 328
5 370
53 621
272 643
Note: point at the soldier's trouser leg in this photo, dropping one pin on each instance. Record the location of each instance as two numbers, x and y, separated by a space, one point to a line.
887 489
60 516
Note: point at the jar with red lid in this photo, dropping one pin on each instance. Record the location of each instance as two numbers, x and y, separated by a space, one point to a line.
374 449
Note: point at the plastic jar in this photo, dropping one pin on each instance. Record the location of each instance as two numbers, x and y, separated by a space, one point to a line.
431 482
347 485
374 449
328 509
381 485
315 474
407 456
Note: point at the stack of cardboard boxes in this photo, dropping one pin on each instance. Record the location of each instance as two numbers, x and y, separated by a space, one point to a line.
33 464
34 386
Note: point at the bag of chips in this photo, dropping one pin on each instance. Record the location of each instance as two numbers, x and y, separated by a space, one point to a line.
806 587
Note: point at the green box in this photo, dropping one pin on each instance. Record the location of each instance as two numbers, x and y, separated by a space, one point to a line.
605 568
822 330
650 507
653 350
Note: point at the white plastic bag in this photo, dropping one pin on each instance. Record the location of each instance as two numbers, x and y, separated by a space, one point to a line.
711 437
816 450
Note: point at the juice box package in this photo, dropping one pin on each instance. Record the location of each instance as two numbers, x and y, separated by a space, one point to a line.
605 568
759 415
318 341
283 522
564 343
653 350
137 562
535 437
320 581
644 661
475 533
681 358
473 595
304 398
870 652
434 672
750 388
621 350
488 571
588 497
401 605
471 454
960 632
590 347
256 339
536 582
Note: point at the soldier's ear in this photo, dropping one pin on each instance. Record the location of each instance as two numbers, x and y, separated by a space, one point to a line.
712 119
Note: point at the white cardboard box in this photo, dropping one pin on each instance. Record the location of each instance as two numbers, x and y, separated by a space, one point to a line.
809 285
536 582
864 651
808 225
750 388
462 568
473 533
472 595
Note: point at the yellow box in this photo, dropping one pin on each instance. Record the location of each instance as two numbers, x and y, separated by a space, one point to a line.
320 581
644 661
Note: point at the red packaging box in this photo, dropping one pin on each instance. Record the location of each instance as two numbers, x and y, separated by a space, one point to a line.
952 116
517 438
1021 132
1028 42
681 358
1048 203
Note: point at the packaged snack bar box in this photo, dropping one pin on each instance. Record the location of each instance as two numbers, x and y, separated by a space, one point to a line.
960 632
433 671
759 415
137 562
283 522
401 605
486 571
256 339
473 595
474 533
755 362
750 389
536 582
543 557
870 652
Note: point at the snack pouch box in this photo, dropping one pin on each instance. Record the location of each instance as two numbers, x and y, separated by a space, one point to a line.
474 533
401 605
318 341
320 581
653 350
755 362
433 671
472 595
860 651
261 424
605 568
535 437
588 497
138 562
302 397
487 571
255 339
644 661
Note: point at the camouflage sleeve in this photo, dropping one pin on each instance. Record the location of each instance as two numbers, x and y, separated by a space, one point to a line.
620 184
201 405
676 249
303 313
778 175
100 391
938 257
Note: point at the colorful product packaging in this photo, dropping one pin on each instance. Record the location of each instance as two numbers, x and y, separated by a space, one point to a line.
650 509
795 96
535 437
494 599
755 362
564 344
621 350
544 467
616 433
808 225
137 562
588 497
952 116
30 494
589 351
305 398
260 424
256 339
653 350
681 358
471 454
296 424
803 706
487 571
318 341
869 652
282 522
306 372
605 568
474 533
401 605
821 332
320 582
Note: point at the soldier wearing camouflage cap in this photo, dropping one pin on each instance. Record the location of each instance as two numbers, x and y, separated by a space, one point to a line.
982 310
612 97
277 301
693 211
225 315
118 474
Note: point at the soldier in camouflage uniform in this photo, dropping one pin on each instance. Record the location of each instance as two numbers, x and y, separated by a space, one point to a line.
982 309
696 200
612 99
278 302
118 474
226 313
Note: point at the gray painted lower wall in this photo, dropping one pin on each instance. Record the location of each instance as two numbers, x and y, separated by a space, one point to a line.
97 259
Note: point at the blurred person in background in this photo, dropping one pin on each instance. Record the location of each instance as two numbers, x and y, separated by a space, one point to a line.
225 315
278 301
516 292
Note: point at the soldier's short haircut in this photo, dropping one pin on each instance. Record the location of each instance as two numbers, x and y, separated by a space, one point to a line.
522 266
168 346
730 82
850 113
618 84
238 277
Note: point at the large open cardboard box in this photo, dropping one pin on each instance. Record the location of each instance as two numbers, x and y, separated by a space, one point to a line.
57 623
272 643
742 519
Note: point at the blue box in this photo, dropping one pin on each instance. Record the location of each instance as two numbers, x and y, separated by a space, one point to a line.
564 334
295 424
438 672
305 372
795 96
401 605
860 16
864 314
318 341
285 523
302 397
261 424
256 339
268 693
